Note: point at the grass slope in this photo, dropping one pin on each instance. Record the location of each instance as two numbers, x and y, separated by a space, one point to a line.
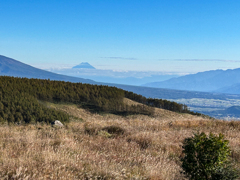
107 146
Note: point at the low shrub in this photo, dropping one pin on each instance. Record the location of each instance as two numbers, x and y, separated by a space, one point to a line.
104 134
91 129
114 130
207 157
142 140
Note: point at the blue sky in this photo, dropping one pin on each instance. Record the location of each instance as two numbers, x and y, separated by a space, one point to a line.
184 36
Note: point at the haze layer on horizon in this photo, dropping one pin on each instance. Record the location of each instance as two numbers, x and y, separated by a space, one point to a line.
127 35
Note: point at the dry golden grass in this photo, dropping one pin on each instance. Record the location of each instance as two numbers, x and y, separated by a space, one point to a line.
105 146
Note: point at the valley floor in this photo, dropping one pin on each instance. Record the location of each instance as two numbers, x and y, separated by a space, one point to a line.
105 146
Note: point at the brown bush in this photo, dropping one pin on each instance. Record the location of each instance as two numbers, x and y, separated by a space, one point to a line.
91 128
142 140
114 130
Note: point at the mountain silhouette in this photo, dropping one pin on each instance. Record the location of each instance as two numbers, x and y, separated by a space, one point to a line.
208 81
11 67
84 65
233 111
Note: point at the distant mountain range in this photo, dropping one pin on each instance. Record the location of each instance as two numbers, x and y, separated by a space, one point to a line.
219 81
11 67
233 111
99 76
135 78
222 81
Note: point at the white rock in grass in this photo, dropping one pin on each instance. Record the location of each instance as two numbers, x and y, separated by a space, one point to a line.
57 123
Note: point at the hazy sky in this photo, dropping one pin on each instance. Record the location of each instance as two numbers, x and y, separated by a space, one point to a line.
138 35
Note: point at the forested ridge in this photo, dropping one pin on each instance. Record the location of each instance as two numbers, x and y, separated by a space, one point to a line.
20 100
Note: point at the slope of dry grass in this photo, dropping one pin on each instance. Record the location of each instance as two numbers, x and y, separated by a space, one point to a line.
94 146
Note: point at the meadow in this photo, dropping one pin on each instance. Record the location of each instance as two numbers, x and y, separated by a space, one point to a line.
106 146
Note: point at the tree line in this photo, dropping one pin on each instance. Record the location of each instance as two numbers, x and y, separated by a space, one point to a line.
19 100
160 103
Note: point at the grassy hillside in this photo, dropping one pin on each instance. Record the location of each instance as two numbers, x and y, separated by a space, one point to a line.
107 146
20 100
109 133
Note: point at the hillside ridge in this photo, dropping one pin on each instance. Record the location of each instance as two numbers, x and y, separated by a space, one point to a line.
207 81
12 67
